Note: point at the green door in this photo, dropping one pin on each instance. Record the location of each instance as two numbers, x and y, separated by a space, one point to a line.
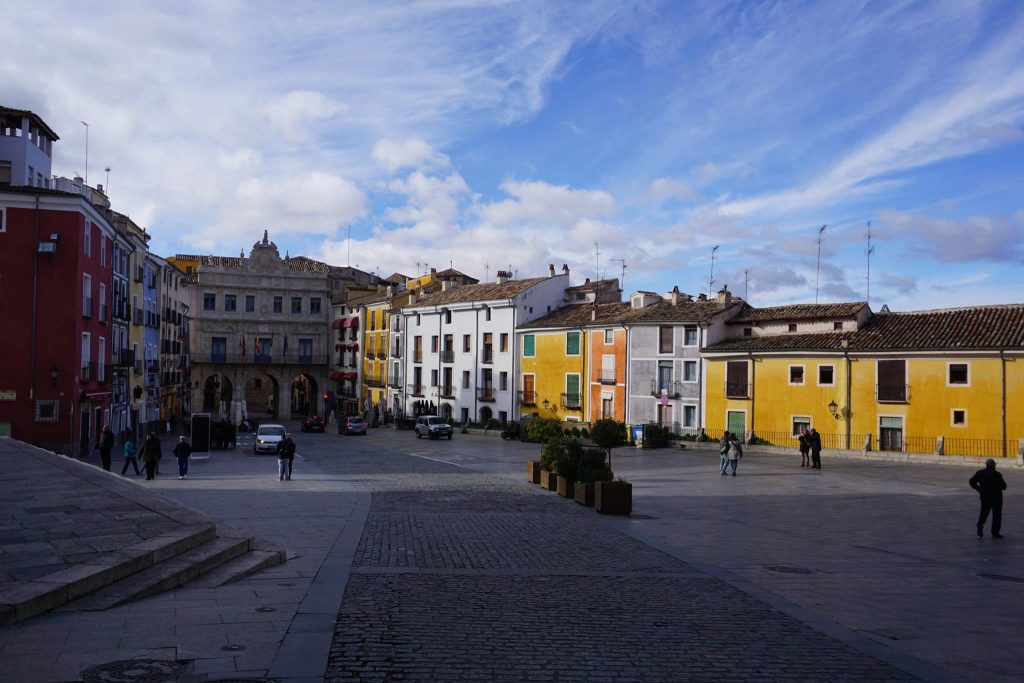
737 423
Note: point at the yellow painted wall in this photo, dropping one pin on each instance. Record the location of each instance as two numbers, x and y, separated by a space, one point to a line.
375 339
550 366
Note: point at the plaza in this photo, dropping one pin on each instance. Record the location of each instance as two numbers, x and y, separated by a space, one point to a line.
421 560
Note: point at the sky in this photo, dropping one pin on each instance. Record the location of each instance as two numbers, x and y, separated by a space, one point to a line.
510 135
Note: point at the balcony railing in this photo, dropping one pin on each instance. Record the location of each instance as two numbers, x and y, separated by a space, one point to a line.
669 389
485 394
374 382
265 359
137 316
87 307
394 382
487 355
607 377
417 357
892 393
528 398
737 390
125 358
416 390
447 391
448 355
103 312
571 401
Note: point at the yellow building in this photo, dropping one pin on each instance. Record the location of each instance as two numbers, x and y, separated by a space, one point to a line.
948 381
375 358
139 240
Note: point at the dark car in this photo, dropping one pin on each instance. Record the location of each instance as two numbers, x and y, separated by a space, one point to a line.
314 423
433 426
352 425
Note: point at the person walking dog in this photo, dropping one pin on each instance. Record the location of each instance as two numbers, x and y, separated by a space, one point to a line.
723 450
990 486
285 456
182 450
151 455
131 455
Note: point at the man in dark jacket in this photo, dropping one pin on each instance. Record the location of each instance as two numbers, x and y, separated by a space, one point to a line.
814 439
105 444
182 450
990 486
285 457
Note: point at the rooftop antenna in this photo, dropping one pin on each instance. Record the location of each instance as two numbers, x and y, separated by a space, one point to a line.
817 273
869 252
487 271
86 151
746 285
107 169
711 277
622 280
597 262
451 264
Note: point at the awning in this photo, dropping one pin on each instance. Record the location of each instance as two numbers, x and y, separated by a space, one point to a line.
339 347
337 376
337 324
352 376
350 322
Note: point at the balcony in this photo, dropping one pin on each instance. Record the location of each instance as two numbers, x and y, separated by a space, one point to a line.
892 393
103 312
528 398
267 359
394 382
607 377
740 390
125 358
669 389
447 391
152 366
570 401
87 307
137 316
448 356
485 394
487 355
416 390
374 382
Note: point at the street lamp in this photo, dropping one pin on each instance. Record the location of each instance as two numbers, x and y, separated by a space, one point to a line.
833 408
546 404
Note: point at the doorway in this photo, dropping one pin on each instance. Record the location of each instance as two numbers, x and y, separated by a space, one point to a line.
890 434
736 423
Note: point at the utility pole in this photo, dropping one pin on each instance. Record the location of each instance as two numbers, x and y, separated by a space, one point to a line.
107 185
86 151
348 248
746 285
597 262
817 273
869 252
711 277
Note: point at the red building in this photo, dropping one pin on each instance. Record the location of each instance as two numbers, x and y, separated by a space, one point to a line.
55 291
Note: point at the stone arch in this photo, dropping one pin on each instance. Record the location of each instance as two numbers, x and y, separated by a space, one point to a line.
218 392
303 394
446 411
262 394
486 414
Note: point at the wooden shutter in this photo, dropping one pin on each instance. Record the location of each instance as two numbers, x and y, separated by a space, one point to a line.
665 339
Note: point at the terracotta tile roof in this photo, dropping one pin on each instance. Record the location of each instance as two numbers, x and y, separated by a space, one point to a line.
581 315
684 312
593 286
798 312
951 329
490 291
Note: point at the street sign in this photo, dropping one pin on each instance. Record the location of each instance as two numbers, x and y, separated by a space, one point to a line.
8 395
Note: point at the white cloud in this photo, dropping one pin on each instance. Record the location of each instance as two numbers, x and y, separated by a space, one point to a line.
411 153
296 114
668 188
542 204
976 238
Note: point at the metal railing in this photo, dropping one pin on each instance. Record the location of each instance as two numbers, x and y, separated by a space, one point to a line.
892 393
987 448
737 390
374 382
485 393
487 355
417 357
394 382
607 377
448 355
571 401
87 307
416 390
447 391
670 389
269 359
528 398
125 358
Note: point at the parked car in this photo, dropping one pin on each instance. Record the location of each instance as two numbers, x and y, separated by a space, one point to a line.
433 426
268 438
314 423
352 425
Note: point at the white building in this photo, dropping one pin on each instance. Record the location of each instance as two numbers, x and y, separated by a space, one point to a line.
460 357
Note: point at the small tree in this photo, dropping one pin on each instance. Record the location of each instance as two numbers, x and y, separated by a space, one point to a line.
544 429
609 434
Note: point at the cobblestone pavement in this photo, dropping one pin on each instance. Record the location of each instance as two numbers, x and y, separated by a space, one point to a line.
462 575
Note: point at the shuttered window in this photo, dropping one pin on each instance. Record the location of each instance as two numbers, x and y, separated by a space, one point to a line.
665 339
892 381
528 345
736 385
572 344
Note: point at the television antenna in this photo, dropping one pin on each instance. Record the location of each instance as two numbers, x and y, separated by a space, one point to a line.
711 277
817 273
597 262
622 279
746 285
869 251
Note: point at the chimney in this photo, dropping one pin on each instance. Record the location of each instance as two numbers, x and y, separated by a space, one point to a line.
391 290
593 313
433 270
502 277
675 295
586 281
551 270
702 297
412 298
724 296
565 269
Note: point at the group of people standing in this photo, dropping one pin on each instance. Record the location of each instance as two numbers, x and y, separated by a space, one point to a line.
731 452
150 453
810 448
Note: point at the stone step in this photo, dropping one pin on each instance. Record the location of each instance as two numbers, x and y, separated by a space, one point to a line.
51 591
171 573
239 568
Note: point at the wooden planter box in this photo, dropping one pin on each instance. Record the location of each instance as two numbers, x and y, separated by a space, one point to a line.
613 497
566 487
533 471
584 494
549 480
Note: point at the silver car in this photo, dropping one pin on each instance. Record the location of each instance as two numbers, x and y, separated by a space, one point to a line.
268 438
433 426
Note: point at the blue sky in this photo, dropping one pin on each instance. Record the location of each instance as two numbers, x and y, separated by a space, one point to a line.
500 134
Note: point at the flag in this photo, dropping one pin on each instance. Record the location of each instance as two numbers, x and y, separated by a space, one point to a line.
286 343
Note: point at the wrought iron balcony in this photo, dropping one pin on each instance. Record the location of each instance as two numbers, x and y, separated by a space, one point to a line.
485 394
737 390
528 398
571 401
892 393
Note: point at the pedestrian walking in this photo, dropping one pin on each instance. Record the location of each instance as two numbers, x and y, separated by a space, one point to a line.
735 453
285 457
131 455
105 444
990 486
814 440
182 450
723 450
805 448
151 455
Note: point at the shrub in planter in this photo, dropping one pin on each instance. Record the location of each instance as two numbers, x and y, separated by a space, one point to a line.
590 468
609 434
566 487
584 493
575 432
550 458
544 429
656 436
613 497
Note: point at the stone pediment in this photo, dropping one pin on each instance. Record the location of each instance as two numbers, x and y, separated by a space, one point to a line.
265 258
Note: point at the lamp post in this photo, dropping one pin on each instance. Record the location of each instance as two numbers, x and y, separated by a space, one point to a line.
834 409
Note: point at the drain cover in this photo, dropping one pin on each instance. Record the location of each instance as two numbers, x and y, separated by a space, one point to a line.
788 569
1002 577
135 671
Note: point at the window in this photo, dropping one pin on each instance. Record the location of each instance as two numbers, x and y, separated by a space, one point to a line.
837 325
689 416
690 335
417 349
959 417
296 305
748 332
503 381
529 351
609 336
892 381
465 379
87 239
101 359
278 304
958 374
664 377
826 375
487 313
209 302
305 350
47 411
796 374
665 339
466 343
504 342
792 327
102 298
572 344
230 303
218 349
447 317
689 371
801 423
736 384
86 295
433 344
5 173
572 390
250 303
502 416
314 305
3 209
103 251
433 378
607 408
417 320
86 349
